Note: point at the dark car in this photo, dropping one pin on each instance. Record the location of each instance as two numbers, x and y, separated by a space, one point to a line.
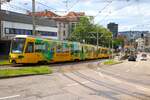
132 58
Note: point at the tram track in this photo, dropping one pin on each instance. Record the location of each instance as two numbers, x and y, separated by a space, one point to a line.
110 86
64 64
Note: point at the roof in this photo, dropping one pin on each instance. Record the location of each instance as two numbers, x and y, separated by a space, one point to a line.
31 36
71 16
44 14
75 14
22 18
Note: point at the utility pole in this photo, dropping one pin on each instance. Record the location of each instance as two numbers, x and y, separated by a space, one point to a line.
97 42
112 46
109 48
33 18
0 20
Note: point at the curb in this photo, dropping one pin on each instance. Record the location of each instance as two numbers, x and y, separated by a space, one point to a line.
5 64
17 76
102 65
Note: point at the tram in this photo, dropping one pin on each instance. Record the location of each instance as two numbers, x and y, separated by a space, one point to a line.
29 49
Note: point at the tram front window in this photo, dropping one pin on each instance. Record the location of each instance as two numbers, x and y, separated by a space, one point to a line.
17 45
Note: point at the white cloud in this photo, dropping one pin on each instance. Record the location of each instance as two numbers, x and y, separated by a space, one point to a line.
127 14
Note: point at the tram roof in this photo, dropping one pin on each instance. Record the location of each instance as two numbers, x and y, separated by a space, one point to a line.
32 36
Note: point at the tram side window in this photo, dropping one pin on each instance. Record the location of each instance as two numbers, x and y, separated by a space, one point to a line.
65 48
59 48
104 51
40 47
30 47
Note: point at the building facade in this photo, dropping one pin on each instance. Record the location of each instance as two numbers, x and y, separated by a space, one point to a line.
20 24
113 27
65 24
140 44
133 34
147 42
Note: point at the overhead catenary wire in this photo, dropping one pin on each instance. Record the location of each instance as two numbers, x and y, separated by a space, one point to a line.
73 5
17 7
46 6
103 8
116 10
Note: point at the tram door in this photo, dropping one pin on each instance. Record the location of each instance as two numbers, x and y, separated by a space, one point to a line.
29 55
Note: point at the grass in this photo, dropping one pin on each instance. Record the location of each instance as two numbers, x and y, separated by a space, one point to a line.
6 73
111 62
4 62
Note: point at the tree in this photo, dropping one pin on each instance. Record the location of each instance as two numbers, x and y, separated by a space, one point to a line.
86 31
81 30
119 41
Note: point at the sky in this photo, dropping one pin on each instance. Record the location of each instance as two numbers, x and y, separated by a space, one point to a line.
128 14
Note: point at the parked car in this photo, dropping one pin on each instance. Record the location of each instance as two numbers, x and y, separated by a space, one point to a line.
132 58
143 57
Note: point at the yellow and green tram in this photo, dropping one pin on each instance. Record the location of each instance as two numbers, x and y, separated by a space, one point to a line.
28 49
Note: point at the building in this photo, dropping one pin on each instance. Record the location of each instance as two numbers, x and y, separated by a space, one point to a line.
20 24
147 42
65 23
140 44
133 34
113 28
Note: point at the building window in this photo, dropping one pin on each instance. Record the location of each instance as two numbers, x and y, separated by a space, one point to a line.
6 30
12 31
64 33
73 25
59 24
64 25
28 32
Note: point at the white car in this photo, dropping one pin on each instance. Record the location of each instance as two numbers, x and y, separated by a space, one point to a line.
143 57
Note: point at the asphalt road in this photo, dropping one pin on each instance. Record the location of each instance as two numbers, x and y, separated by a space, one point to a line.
83 81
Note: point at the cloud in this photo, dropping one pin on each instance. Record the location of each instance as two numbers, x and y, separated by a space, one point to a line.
128 14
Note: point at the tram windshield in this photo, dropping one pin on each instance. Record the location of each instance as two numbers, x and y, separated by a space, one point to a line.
17 45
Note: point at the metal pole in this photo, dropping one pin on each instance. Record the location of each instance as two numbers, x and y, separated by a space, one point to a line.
33 17
97 43
109 47
112 46
0 20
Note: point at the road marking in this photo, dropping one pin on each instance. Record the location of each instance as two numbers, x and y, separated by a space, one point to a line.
127 70
85 82
74 84
140 87
9 97
100 74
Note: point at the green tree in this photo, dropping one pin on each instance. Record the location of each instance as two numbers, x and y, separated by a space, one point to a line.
81 30
87 31
118 42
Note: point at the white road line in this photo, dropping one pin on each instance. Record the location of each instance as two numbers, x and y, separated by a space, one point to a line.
127 70
85 82
100 74
74 84
9 97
